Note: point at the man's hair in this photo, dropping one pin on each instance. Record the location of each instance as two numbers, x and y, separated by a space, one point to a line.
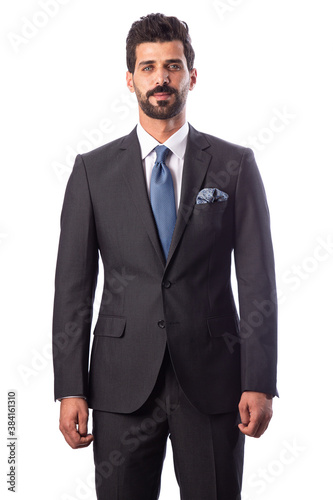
158 28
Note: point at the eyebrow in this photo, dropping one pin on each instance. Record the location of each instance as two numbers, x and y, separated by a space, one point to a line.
168 61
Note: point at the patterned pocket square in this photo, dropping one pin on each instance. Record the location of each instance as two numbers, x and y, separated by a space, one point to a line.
211 195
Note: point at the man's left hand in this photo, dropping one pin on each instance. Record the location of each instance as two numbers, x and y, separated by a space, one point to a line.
255 409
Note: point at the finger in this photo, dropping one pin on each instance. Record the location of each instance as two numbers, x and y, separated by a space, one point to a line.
244 414
75 440
242 428
68 428
83 423
263 425
252 428
261 430
249 430
85 441
69 431
246 429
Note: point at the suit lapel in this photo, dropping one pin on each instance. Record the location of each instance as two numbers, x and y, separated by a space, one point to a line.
129 160
196 162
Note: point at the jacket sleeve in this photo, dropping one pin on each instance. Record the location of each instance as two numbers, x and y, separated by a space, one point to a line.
254 263
75 284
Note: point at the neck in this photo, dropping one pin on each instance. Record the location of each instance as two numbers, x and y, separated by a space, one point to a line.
161 130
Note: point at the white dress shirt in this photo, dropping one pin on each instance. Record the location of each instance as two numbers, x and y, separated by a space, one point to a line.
175 162
175 159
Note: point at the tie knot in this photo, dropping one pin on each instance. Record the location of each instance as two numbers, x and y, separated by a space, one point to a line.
161 153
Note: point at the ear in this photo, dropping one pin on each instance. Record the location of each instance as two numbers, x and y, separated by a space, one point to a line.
129 81
193 78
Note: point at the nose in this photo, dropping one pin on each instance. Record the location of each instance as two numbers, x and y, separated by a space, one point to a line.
162 76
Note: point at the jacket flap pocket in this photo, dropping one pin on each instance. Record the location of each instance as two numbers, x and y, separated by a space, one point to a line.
219 325
110 326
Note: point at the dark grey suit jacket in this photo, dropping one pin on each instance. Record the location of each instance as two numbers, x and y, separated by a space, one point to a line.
186 302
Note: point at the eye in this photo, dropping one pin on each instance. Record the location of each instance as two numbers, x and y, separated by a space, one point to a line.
174 66
147 68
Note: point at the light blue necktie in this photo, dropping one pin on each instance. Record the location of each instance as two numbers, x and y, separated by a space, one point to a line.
162 198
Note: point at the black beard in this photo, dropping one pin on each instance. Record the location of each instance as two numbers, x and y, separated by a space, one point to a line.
164 110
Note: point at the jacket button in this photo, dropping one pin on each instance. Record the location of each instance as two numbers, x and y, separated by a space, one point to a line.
166 284
161 323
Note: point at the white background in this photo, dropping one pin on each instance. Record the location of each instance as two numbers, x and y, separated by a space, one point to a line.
256 60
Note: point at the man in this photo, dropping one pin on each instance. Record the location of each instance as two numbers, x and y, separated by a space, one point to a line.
165 207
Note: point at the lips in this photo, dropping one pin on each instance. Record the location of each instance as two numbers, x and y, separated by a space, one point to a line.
162 96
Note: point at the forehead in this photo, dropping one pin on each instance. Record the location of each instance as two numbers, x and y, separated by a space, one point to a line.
159 51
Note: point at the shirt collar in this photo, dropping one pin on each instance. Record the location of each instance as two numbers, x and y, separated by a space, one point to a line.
176 143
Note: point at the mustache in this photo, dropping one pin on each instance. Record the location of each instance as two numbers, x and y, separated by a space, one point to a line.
161 89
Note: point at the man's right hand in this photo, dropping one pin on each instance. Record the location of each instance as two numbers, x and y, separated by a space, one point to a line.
73 422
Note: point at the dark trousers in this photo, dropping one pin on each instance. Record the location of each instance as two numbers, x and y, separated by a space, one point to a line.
129 449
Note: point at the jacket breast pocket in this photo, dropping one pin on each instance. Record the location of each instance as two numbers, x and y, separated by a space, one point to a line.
208 216
217 207
110 326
